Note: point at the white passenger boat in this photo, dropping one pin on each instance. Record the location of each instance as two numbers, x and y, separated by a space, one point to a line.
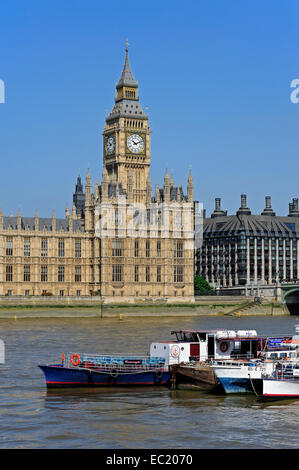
189 356
244 377
282 383
194 351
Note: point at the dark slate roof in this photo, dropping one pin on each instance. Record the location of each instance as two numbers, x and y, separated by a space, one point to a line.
257 225
127 108
173 194
127 78
44 224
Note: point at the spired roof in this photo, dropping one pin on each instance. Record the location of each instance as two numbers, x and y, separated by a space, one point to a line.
125 106
127 78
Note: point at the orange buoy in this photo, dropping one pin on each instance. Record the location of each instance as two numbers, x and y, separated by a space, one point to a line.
75 363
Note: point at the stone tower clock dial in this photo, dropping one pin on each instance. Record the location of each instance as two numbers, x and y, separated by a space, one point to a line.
110 144
135 143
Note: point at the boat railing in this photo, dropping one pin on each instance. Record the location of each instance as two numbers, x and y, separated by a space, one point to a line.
234 363
286 370
111 361
234 357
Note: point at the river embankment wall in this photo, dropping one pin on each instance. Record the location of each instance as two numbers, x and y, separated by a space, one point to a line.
65 307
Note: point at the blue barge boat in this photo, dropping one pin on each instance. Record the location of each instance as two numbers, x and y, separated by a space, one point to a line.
81 370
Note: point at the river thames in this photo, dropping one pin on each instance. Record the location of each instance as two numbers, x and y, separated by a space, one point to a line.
129 418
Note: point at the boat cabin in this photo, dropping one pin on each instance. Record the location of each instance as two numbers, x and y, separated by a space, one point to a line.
201 345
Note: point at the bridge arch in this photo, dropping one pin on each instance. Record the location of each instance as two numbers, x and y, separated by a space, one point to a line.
290 297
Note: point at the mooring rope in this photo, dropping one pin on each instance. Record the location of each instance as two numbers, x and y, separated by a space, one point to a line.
253 386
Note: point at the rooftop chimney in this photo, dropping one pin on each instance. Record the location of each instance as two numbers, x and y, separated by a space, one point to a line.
218 212
268 209
244 209
293 208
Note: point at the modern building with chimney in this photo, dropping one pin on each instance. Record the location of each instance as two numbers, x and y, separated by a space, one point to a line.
245 249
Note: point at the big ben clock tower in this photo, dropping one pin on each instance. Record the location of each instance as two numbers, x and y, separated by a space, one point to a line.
126 137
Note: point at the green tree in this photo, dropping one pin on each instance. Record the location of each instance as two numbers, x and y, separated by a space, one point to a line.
201 286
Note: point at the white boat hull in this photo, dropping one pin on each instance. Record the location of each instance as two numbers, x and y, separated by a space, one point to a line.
236 378
281 388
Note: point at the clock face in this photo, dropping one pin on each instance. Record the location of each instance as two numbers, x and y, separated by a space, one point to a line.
135 143
110 144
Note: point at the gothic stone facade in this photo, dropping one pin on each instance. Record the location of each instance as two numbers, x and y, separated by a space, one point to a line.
82 255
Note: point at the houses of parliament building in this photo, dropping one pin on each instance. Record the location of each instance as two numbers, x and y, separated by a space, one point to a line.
94 250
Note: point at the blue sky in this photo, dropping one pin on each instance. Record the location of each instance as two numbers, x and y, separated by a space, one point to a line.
215 77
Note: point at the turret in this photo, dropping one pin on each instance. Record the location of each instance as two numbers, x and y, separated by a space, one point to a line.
19 220
88 187
166 187
96 190
88 202
74 213
190 192
171 181
36 221
79 198
158 197
53 221
148 191
104 185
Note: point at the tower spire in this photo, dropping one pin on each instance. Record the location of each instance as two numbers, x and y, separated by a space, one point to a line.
127 78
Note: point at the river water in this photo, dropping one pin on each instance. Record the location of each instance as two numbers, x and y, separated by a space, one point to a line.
134 418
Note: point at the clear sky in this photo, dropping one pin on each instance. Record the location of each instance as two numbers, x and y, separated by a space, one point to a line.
215 76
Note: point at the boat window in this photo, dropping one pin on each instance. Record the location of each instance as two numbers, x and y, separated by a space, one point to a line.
273 356
179 336
191 337
202 336
282 355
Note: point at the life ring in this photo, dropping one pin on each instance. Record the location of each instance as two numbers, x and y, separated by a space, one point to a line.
114 373
223 346
175 350
75 363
